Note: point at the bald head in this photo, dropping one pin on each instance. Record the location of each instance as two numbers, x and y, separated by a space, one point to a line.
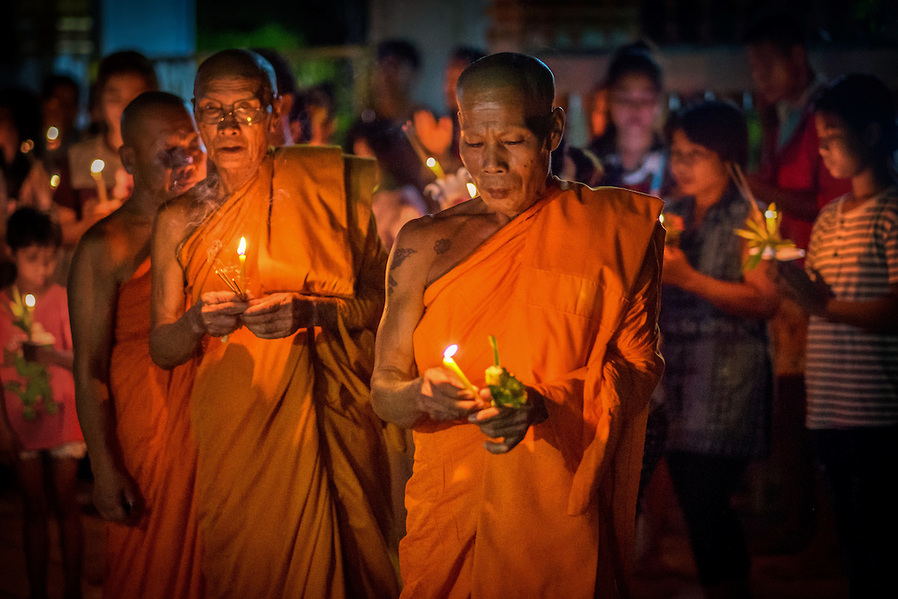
143 109
529 76
237 64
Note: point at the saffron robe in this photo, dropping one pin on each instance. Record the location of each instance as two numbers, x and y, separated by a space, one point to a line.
570 289
161 557
293 479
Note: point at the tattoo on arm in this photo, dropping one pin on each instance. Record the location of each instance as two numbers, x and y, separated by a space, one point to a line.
400 255
442 246
391 284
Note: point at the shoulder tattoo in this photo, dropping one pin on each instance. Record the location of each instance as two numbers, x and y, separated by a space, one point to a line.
400 255
442 246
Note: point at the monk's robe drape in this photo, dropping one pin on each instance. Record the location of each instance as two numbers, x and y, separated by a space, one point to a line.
570 288
160 558
293 481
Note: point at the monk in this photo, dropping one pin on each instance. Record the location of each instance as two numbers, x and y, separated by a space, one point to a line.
133 413
567 280
292 478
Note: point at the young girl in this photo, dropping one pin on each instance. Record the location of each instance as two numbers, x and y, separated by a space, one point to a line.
39 431
850 290
718 378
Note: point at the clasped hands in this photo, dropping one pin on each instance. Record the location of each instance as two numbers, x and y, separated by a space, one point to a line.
444 398
273 316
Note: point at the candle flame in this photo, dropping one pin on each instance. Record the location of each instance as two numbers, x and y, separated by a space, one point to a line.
29 300
241 249
431 162
472 189
97 166
26 146
450 351
770 214
661 218
54 181
52 134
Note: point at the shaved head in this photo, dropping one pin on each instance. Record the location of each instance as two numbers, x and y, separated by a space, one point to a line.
237 64
143 108
528 75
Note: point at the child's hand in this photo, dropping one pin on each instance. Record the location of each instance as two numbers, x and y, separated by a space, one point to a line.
811 294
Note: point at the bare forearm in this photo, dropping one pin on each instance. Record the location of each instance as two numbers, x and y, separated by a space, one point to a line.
736 298
175 343
878 316
394 397
95 415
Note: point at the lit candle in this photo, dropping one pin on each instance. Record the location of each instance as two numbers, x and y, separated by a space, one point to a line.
241 255
472 190
30 301
54 180
96 171
435 167
52 138
449 363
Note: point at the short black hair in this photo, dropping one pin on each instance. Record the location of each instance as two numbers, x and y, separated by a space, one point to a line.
126 62
779 28
860 100
283 72
29 226
400 48
717 125
466 54
635 58
55 81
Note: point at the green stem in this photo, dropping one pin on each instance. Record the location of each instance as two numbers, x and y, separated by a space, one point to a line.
495 345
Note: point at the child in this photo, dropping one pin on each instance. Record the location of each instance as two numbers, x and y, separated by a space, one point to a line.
38 425
851 293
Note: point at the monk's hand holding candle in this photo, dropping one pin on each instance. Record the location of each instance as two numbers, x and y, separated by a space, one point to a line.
280 315
217 313
444 397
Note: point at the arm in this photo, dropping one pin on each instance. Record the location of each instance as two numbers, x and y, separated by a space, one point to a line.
92 300
754 297
398 394
175 332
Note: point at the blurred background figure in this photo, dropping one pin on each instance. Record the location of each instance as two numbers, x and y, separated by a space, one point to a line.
24 180
630 149
393 79
313 117
718 381
282 133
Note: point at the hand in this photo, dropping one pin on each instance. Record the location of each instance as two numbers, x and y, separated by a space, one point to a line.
36 352
444 398
676 270
217 313
811 294
509 424
117 498
279 315
435 135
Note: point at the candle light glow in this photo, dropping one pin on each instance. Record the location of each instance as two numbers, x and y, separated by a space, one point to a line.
29 301
449 363
241 256
96 171
472 189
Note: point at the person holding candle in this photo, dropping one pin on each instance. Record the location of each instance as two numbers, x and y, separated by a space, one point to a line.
849 287
135 415
292 481
552 513
39 431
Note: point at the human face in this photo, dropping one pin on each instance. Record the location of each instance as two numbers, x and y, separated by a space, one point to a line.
773 73
116 94
508 162
840 148
698 170
634 105
169 157
234 146
35 265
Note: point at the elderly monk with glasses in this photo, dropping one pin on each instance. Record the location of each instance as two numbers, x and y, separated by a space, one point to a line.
536 498
269 275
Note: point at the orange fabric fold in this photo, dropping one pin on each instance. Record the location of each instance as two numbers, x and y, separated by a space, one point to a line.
570 290
290 454
162 557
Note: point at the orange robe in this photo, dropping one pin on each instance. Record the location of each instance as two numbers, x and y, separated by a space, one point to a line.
293 479
160 558
570 288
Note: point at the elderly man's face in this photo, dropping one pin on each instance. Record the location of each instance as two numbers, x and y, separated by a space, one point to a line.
239 140
508 162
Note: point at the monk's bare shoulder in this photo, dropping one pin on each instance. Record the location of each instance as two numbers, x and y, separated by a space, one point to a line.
111 245
179 217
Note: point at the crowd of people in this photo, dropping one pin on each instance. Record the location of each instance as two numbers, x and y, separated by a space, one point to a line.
239 322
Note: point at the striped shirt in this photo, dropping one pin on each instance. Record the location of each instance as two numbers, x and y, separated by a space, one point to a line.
852 374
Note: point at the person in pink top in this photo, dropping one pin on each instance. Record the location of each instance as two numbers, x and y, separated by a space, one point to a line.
39 432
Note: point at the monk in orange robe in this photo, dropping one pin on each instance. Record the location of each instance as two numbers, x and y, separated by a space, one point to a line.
567 279
134 414
292 478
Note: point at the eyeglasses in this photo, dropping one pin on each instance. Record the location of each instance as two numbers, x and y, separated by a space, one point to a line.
245 112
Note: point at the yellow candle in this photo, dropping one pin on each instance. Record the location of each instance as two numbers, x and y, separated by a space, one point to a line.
241 255
96 171
435 167
449 363
30 301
